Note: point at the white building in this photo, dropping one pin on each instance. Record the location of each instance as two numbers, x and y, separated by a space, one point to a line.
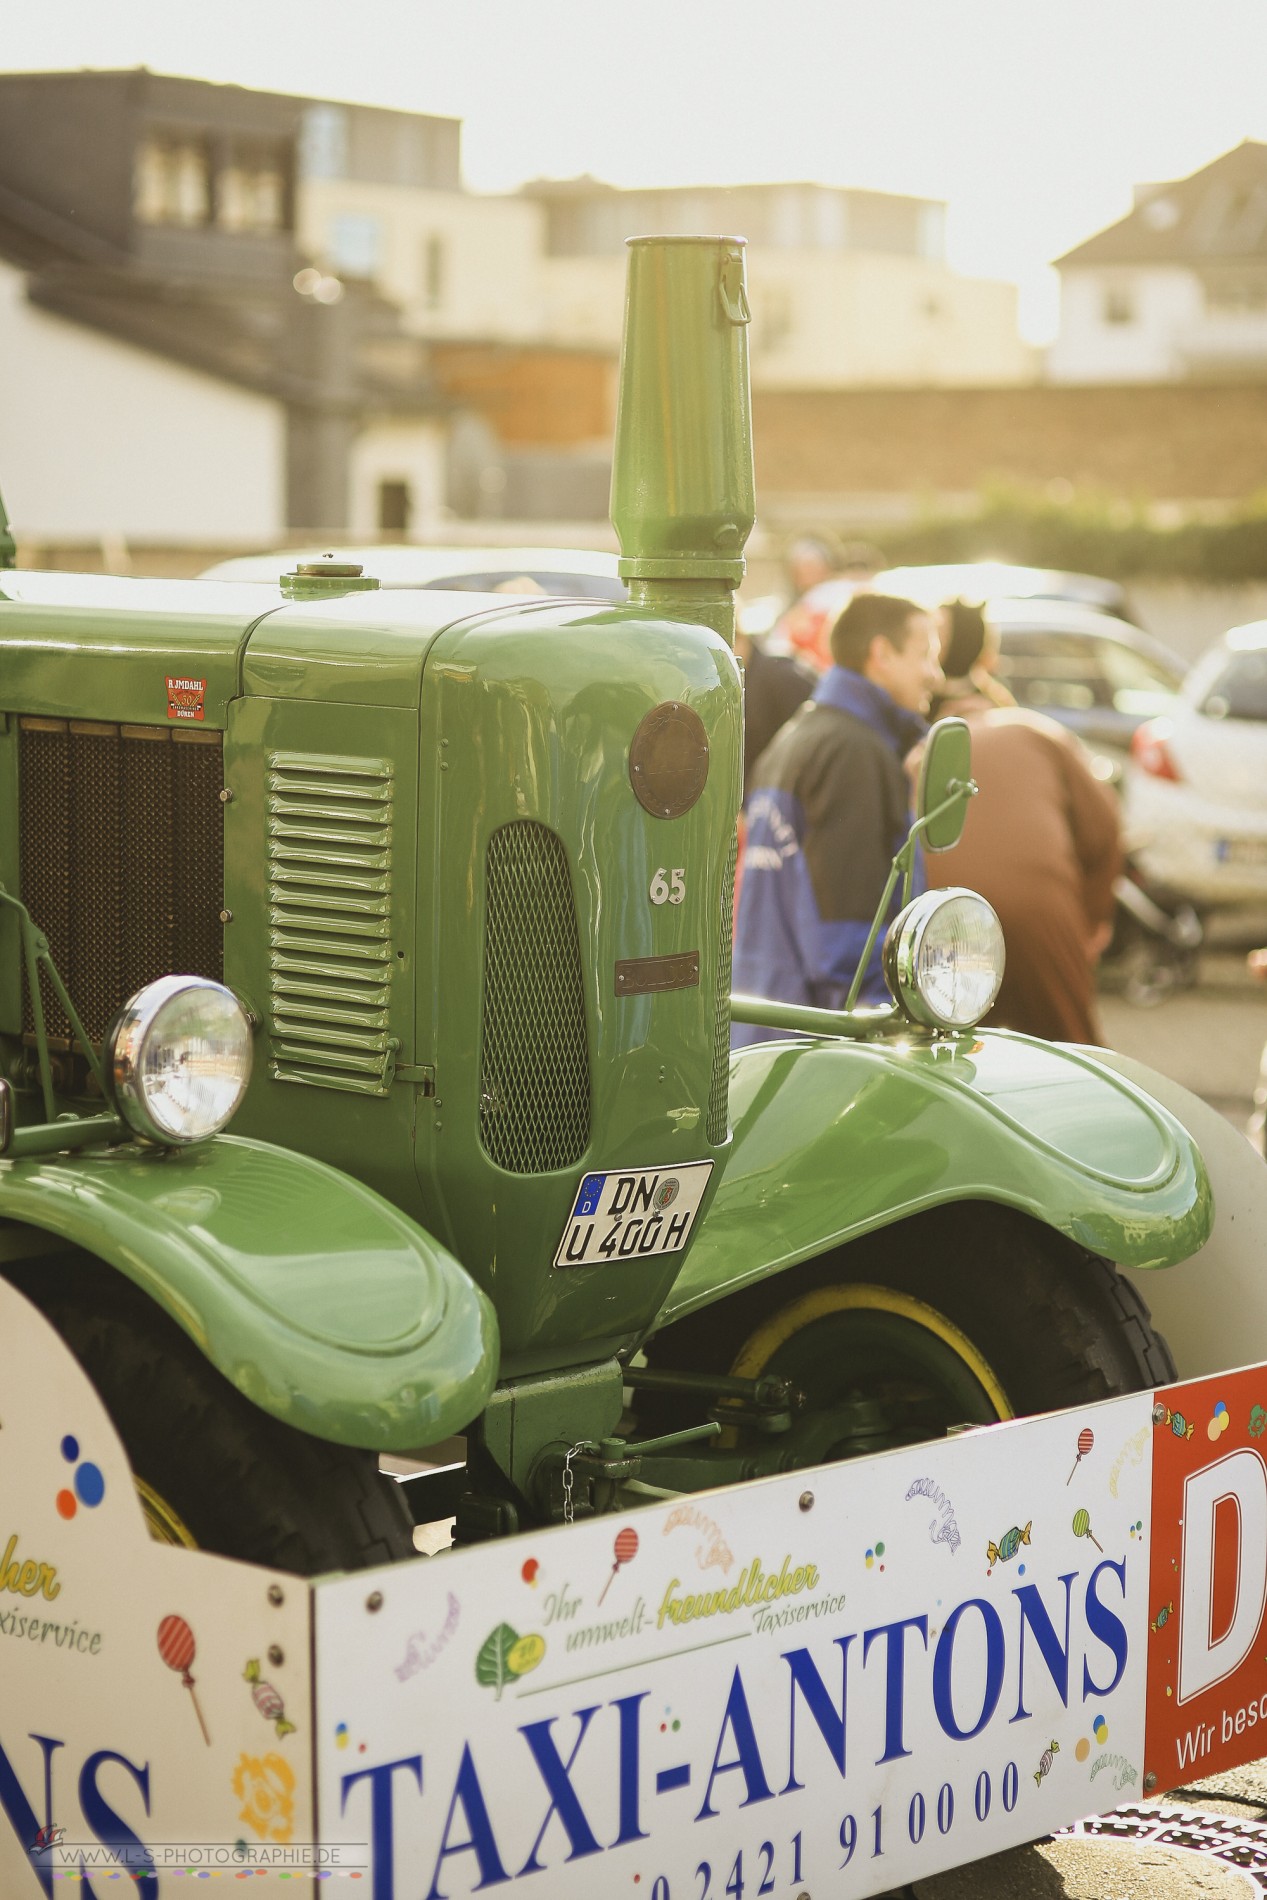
1178 288
173 367
102 441
847 287
395 215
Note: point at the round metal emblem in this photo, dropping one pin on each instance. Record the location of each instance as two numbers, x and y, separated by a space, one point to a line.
668 760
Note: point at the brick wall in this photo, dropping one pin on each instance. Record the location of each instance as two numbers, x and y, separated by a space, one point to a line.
533 398
1181 442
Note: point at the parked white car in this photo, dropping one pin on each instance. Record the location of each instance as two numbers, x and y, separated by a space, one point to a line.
1195 792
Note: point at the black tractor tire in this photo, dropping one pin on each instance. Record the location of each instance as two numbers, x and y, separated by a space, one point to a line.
213 1470
1052 1324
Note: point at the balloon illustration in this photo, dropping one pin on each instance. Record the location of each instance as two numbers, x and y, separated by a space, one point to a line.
626 1549
1082 1528
1086 1438
176 1647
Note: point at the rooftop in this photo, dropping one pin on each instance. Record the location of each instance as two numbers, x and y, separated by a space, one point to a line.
1216 215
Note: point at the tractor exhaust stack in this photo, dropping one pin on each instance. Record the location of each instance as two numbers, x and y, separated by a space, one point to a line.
683 497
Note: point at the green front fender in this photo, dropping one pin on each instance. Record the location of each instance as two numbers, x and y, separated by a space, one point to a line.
317 1298
834 1139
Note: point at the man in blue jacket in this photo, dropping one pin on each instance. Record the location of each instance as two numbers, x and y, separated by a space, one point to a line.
830 807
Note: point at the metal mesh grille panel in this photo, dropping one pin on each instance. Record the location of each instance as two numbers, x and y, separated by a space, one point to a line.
719 1094
147 789
329 911
122 859
198 876
534 1068
44 809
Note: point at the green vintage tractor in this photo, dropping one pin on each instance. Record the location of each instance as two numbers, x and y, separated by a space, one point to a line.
449 879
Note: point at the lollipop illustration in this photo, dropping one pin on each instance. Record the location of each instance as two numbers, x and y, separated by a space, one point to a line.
1082 1528
626 1550
176 1647
1086 1438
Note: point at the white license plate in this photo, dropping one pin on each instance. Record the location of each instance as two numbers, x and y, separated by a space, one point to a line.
633 1214
1241 850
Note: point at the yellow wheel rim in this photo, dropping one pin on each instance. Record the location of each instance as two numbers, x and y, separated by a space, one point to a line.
165 1525
758 1350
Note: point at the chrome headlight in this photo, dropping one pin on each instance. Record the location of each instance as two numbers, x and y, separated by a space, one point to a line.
943 958
179 1058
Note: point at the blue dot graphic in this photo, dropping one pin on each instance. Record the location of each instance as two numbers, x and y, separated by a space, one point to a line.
90 1485
1020 1570
70 1449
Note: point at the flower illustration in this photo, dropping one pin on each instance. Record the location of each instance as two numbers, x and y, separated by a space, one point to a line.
265 1785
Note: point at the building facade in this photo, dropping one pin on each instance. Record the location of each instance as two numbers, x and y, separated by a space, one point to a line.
847 287
148 234
1177 289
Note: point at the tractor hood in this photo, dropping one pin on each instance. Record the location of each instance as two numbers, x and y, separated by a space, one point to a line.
355 649
148 653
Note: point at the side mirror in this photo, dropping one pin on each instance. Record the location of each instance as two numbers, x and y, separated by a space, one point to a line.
945 784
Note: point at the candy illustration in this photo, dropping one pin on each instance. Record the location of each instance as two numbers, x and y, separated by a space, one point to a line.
1162 1617
1082 1528
176 1647
267 1700
1008 1544
1179 1425
1045 1761
1086 1439
626 1549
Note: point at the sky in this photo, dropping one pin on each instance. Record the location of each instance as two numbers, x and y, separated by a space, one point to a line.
1032 119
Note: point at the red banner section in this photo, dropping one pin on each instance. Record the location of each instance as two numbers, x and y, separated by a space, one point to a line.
1207 1645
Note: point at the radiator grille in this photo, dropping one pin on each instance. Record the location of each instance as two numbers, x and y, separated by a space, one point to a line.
719 1094
329 904
534 1067
121 859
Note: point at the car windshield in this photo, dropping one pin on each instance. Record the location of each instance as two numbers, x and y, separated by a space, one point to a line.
1238 689
498 580
1074 672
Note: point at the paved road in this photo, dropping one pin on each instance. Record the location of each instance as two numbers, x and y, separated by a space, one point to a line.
1209 1038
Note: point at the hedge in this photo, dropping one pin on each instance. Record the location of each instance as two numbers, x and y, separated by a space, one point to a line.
1089 533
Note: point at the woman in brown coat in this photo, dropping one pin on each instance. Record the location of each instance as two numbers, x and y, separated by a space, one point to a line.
1041 843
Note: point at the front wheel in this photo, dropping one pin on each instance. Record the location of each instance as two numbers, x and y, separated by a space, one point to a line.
212 1470
962 1316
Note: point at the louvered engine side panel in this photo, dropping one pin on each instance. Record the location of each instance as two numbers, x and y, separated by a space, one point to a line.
329 827
719 1094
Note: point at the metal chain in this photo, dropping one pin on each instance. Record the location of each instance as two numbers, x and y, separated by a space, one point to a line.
569 1516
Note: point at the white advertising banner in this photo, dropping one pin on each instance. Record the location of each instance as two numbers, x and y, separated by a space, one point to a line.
155 1703
835 1681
